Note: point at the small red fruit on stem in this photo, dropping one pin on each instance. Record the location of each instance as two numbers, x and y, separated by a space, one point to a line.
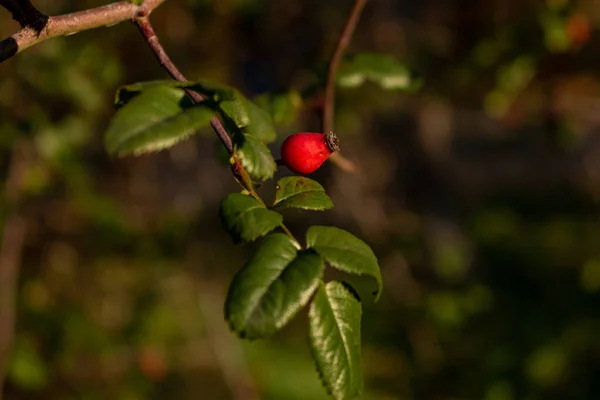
304 152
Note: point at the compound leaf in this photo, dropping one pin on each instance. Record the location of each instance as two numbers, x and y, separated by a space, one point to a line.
246 219
275 283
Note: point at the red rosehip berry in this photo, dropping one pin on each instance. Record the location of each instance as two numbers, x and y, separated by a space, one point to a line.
304 152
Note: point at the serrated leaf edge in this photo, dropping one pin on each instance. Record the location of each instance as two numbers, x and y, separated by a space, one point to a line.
321 189
346 346
158 147
378 278
246 210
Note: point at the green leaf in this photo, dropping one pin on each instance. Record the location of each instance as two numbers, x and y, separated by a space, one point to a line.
154 120
283 107
276 282
301 192
231 102
246 219
345 252
254 156
261 124
126 93
381 69
210 90
245 115
215 90
236 109
334 330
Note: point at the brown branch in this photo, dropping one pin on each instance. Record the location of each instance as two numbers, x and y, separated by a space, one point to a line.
143 23
11 247
68 24
239 173
334 64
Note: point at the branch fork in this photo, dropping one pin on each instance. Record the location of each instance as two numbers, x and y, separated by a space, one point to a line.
37 27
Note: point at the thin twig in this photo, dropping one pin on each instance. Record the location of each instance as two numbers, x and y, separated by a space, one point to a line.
69 24
334 64
143 23
11 248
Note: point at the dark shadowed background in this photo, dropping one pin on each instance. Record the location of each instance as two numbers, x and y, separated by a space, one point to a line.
479 193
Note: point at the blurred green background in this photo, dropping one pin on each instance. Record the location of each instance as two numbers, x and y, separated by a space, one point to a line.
479 193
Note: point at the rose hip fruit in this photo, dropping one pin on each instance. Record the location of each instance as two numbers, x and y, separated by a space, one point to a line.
304 152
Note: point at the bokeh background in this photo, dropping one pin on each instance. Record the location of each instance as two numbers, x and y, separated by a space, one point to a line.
479 193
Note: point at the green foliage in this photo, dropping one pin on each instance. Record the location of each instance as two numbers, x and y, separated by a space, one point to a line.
301 192
276 282
156 119
26 367
345 252
260 125
246 219
233 105
245 114
334 328
279 279
494 262
254 156
383 70
283 107
127 92
157 114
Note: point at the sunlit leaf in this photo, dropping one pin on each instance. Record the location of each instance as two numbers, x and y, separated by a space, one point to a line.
126 93
334 329
301 192
235 108
231 102
254 156
154 120
283 107
261 124
275 283
245 115
215 90
345 252
210 90
381 69
246 219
